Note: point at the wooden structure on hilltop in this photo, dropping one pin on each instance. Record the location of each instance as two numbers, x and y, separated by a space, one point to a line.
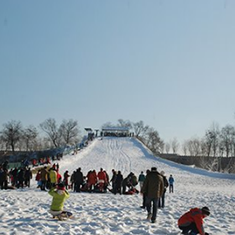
115 131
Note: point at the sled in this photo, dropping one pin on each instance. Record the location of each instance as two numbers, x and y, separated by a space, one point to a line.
64 216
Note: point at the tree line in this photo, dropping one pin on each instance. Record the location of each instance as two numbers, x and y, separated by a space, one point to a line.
215 143
14 136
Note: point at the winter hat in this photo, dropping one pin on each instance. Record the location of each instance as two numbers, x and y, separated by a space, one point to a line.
205 210
154 169
60 186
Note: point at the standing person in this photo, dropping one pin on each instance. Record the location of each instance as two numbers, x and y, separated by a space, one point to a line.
161 203
107 181
59 195
78 180
118 183
171 183
144 194
192 221
52 177
102 180
57 167
66 179
72 181
28 177
4 178
5 165
44 178
38 178
14 176
21 177
91 180
59 177
153 188
141 179
113 179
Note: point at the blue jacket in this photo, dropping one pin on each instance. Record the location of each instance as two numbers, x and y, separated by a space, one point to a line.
171 180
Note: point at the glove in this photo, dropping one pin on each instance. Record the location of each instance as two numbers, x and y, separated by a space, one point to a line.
207 234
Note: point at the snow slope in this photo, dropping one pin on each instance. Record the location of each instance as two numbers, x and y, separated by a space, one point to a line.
25 211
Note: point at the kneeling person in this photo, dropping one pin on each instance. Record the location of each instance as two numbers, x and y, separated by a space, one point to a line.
59 195
192 221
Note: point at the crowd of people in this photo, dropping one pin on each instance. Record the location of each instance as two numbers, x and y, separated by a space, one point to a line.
92 181
152 186
46 160
14 178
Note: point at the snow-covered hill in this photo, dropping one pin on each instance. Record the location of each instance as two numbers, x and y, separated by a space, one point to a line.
25 211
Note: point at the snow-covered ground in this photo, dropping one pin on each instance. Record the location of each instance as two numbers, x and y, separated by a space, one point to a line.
25 211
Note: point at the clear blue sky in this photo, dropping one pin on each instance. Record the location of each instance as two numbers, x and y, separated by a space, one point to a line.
170 64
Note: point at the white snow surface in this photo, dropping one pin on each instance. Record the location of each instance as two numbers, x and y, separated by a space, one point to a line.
25 211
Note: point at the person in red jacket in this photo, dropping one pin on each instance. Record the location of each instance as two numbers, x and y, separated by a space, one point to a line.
38 179
66 179
192 221
91 180
102 179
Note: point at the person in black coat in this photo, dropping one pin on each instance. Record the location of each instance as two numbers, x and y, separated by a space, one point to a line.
161 203
118 183
4 178
153 189
78 180
28 177
113 179
21 177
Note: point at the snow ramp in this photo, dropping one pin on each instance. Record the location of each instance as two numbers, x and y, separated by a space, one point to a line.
119 153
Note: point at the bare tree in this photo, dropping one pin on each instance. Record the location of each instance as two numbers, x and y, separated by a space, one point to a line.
69 131
227 136
162 146
140 129
107 124
2 145
212 139
185 147
208 142
167 147
175 145
49 126
153 140
194 146
204 147
11 134
29 136
233 146
123 123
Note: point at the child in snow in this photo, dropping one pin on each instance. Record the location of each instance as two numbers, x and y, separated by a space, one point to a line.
141 179
59 195
192 221
171 184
